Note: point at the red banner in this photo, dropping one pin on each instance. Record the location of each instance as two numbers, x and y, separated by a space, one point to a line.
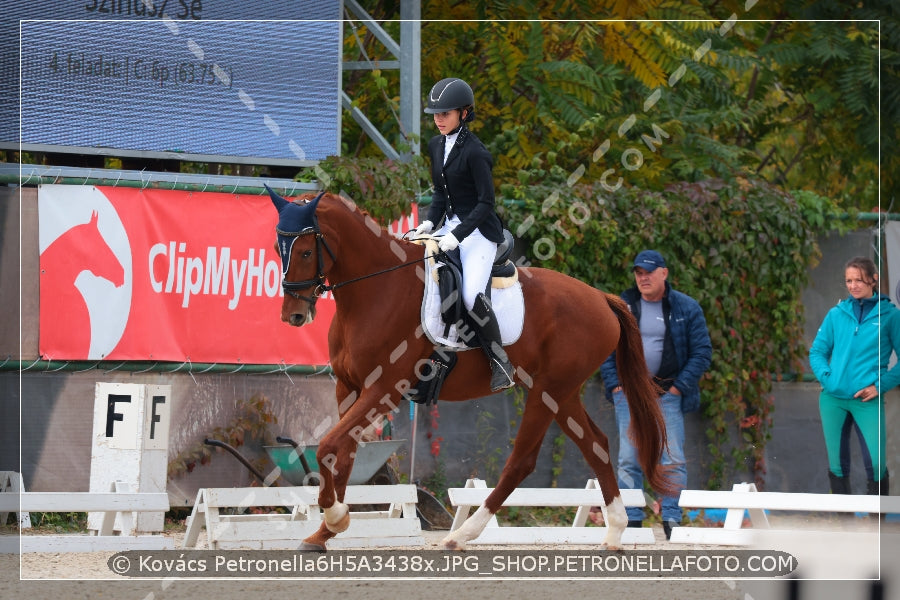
129 274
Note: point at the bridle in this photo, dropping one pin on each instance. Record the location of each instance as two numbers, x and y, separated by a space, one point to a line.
318 284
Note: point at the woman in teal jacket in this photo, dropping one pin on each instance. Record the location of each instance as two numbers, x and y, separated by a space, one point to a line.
851 363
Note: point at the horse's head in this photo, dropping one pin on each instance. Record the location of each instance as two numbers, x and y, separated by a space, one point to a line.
101 261
302 248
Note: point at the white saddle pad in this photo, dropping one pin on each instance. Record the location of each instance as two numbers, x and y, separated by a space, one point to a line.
507 301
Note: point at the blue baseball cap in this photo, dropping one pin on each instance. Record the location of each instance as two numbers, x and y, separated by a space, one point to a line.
649 260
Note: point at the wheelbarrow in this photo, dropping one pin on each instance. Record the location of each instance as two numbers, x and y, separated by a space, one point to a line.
298 466
231 450
298 463
367 468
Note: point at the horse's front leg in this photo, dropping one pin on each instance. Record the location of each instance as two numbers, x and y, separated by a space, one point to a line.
337 470
335 463
469 530
336 514
336 517
335 458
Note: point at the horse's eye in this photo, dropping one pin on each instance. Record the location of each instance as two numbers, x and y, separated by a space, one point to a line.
307 254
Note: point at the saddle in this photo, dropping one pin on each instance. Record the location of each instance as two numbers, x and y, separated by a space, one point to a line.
445 275
449 276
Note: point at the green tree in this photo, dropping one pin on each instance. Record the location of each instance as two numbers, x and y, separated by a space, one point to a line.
816 82
794 102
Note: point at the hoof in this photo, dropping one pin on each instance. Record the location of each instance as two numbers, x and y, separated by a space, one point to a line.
449 544
310 547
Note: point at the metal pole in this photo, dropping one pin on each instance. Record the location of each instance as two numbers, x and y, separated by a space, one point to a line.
410 72
413 413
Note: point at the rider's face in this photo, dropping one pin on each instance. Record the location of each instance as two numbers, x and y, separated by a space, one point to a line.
447 121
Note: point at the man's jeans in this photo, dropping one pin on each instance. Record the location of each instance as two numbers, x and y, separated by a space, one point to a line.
631 476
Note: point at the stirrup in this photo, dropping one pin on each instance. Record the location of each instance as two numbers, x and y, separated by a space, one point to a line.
501 377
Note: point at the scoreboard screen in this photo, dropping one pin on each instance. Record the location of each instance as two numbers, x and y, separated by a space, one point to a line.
199 79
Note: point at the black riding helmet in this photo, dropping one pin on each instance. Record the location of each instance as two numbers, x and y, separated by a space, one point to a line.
451 93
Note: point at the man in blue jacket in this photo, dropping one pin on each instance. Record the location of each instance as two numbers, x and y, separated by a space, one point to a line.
678 351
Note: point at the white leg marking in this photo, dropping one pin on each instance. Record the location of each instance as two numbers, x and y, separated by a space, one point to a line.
470 529
616 520
336 517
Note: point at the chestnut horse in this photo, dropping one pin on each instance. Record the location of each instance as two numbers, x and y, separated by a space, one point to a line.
376 344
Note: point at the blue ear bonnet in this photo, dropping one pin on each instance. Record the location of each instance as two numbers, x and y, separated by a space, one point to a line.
294 220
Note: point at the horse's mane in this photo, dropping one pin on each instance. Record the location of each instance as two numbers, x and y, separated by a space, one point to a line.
360 214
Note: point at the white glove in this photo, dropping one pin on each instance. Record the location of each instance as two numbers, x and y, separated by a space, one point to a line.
423 228
448 243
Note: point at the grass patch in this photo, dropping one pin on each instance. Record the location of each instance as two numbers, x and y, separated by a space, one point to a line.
58 522
536 516
76 522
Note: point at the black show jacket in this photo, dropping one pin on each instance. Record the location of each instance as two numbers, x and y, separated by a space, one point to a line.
464 186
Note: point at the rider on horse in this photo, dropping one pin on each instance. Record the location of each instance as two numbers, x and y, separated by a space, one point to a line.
463 206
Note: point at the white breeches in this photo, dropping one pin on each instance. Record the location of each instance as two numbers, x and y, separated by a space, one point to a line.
477 255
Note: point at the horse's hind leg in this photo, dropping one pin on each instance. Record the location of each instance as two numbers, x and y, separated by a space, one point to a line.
521 462
594 445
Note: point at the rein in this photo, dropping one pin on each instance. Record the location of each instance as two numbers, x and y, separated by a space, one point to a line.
328 288
320 287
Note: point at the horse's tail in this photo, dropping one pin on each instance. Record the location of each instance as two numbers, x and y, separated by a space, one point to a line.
648 428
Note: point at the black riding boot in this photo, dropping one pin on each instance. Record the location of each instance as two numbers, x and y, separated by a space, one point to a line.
882 487
839 485
487 330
